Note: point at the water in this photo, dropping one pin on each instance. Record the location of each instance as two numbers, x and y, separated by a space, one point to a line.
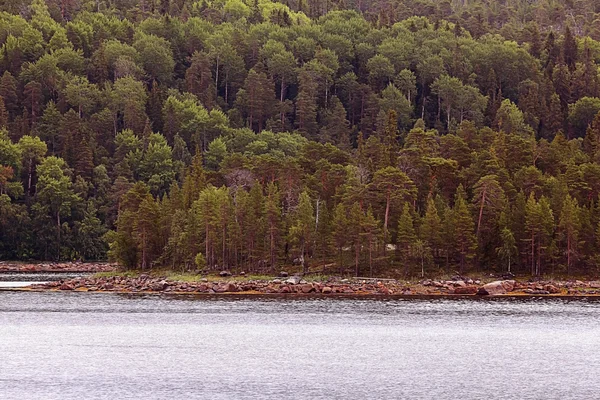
107 346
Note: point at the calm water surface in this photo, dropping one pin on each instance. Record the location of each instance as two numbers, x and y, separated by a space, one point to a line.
106 346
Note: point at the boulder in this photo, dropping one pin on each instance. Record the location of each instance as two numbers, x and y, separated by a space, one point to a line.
66 286
293 280
224 273
308 288
285 289
283 274
202 288
230 287
496 287
465 290
551 289
326 290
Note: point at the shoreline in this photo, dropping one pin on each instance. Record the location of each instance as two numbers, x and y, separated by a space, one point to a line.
303 296
102 277
296 286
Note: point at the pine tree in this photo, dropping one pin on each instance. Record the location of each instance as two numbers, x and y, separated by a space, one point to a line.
431 227
306 104
569 226
340 232
569 49
303 227
462 222
405 237
355 216
273 216
369 231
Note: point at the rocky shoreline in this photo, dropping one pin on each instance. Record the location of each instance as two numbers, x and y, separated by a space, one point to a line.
296 285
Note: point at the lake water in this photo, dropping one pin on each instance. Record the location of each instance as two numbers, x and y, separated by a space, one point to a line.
107 346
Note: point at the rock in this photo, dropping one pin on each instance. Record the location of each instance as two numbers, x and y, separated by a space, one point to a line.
230 287
551 289
595 284
224 273
293 280
285 289
384 290
326 290
276 281
202 288
204 280
496 287
465 290
308 288
509 285
459 283
283 274
66 286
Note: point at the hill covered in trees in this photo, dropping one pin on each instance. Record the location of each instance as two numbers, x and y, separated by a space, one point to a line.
373 137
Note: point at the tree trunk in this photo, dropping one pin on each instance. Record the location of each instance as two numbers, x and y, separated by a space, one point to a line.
532 254
387 214
356 256
481 211
58 232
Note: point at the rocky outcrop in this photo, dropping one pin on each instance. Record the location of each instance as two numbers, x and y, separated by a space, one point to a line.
296 285
496 288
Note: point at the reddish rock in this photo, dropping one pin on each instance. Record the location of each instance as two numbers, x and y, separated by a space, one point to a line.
285 289
326 290
384 290
230 287
466 290
308 288
496 287
66 286
551 289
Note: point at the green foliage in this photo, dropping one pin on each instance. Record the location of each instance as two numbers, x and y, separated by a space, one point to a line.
256 134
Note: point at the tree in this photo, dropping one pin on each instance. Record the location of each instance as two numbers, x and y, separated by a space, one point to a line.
303 227
488 193
32 151
306 104
391 185
405 237
569 226
508 248
340 231
462 222
569 49
55 195
369 228
336 128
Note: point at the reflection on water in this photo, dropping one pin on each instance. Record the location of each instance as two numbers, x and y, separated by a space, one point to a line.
106 346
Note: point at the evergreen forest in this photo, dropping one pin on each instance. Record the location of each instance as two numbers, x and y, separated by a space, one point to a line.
364 137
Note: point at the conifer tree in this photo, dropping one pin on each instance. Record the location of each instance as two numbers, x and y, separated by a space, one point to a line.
405 237
463 228
569 227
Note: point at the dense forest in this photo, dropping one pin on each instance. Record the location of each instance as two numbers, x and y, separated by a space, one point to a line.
370 137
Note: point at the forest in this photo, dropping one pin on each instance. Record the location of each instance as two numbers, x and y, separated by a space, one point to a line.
387 138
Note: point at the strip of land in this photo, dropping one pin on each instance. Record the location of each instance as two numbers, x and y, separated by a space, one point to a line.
326 286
